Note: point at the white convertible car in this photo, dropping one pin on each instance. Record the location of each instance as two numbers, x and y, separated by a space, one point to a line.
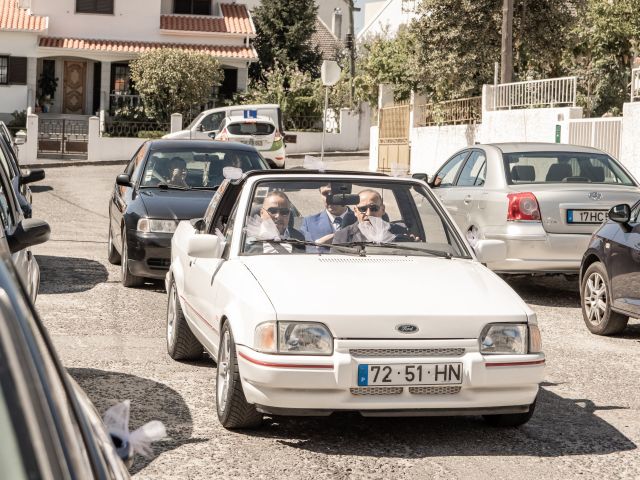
321 292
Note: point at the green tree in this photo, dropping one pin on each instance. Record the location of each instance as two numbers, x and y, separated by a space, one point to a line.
458 43
174 81
605 43
385 59
283 32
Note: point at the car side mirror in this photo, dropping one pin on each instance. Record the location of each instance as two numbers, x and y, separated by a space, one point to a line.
205 246
421 176
31 176
489 251
212 134
620 213
28 233
124 180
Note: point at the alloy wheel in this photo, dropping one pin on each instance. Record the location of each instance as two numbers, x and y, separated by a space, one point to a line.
223 376
595 298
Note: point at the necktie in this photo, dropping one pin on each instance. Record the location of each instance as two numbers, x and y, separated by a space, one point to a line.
337 223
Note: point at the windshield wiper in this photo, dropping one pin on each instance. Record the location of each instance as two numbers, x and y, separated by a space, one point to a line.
295 241
166 186
397 246
208 187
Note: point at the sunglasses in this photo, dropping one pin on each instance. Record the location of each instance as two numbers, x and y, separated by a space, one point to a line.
373 208
281 211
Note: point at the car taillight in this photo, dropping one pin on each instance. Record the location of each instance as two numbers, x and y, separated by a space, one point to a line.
277 137
523 206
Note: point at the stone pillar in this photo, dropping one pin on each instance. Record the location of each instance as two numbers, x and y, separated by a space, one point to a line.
93 139
105 88
29 150
176 122
32 83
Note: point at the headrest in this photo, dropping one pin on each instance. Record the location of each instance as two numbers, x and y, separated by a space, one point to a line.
523 173
558 172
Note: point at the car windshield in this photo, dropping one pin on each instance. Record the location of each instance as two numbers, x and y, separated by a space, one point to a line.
563 167
251 128
372 217
196 167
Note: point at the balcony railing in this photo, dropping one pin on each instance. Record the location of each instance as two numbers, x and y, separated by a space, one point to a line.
118 101
552 92
126 128
452 112
635 85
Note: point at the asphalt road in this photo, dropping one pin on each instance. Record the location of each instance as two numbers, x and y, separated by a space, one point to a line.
587 423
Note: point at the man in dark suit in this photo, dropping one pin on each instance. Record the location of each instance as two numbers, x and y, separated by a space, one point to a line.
322 226
370 205
277 208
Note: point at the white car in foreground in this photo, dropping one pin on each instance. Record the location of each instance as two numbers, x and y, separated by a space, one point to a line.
397 317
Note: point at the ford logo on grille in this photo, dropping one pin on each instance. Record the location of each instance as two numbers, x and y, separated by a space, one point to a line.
595 196
407 328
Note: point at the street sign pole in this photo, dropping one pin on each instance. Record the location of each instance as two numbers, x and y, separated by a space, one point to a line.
330 74
324 120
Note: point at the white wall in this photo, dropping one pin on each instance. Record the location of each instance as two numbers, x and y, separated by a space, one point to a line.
431 146
373 148
14 97
524 125
630 145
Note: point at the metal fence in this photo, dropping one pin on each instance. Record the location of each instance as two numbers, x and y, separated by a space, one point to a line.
452 112
635 85
602 133
123 128
118 101
303 123
62 136
553 92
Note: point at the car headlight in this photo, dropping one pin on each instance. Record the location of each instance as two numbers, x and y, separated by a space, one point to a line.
504 338
296 338
150 225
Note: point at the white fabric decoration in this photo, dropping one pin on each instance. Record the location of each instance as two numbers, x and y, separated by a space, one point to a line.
376 230
313 163
260 229
116 419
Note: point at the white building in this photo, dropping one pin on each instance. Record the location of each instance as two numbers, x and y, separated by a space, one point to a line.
87 45
386 16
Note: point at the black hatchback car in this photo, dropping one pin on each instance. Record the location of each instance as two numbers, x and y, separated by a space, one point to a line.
610 272
167 181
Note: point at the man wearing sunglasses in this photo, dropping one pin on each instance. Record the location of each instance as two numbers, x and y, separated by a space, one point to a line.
276 207
321 226
370 205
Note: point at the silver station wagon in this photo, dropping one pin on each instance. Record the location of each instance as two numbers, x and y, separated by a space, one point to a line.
543 200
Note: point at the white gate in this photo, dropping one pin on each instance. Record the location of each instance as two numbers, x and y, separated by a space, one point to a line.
602 133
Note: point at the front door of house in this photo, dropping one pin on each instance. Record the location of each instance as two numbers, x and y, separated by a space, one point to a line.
75 74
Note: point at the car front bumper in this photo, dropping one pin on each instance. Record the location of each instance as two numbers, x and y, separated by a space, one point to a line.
530 249
320 385
149 253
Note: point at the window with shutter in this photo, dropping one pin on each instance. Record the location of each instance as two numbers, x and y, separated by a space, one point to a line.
4 70
192 7
18 70
95 6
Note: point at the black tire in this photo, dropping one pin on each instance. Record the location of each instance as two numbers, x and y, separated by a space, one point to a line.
128 280
599 319
233 409
112 254
181 342
510 419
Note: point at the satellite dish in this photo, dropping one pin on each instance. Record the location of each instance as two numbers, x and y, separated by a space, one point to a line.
330 73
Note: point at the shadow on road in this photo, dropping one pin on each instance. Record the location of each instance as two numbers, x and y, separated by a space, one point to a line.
560 427
69 274
551 291
40 188
150 400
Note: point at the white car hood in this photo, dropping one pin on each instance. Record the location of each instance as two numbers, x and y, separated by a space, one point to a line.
367 297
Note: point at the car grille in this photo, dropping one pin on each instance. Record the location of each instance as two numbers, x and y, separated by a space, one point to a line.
159 263
444 390
376 391
407 352
432 390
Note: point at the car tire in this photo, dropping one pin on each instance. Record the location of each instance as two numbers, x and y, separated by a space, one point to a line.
510 419
233 409
128 280
181 342
595 301
112 254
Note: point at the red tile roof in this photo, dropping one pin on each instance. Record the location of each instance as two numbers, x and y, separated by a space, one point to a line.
235 20
326 41
13 17
119 46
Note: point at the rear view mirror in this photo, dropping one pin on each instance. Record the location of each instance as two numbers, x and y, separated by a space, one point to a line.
205 246
489 251
31 176
28 233
343 199
124 180
620 213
